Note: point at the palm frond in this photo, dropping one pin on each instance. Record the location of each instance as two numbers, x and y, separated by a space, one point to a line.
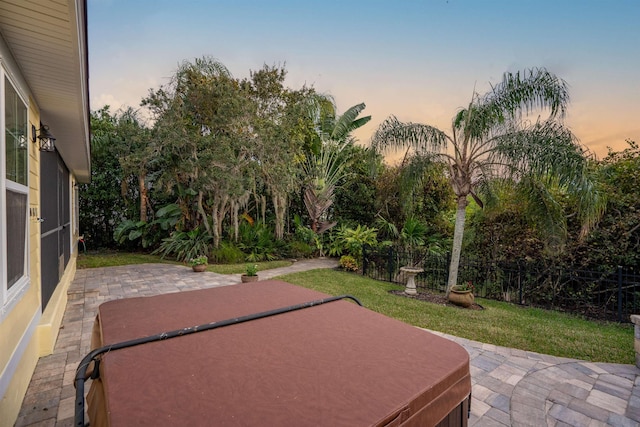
348 122
544 149
393 134
549 153
544 212
527 91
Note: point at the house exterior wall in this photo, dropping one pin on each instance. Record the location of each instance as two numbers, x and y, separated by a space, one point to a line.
20 350
26 332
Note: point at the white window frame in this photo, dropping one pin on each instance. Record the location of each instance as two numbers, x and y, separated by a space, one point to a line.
10 297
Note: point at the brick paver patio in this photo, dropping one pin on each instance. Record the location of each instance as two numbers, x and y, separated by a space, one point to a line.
510 387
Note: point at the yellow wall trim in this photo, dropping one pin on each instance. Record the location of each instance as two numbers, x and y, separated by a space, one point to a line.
51 320
16 375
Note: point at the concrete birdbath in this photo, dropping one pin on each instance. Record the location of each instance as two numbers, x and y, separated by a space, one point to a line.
411 273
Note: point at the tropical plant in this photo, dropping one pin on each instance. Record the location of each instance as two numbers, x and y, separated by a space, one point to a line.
200 260
465 286
129 230
412 236
299 249
491 137
325 168
257 242
352 240
348 263
185 245
323 173
251 270
227 253
387 229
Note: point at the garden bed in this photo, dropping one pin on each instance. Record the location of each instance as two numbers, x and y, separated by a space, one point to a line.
434 299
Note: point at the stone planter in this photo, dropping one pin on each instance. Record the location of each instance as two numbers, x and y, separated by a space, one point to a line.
247 279
461 298
199 268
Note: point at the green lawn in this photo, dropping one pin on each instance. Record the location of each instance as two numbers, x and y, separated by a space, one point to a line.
503 324
112 259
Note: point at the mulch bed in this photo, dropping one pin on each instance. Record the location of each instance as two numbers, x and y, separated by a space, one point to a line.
434 299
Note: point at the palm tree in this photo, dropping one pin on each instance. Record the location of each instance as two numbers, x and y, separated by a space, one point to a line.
492 137
326 168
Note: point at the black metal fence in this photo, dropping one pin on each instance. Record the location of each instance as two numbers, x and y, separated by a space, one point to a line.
608 295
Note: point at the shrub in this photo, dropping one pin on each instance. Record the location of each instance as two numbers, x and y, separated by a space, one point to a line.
252 270
257 242
298 249
351 240
227 253
201 260
185 245
348 263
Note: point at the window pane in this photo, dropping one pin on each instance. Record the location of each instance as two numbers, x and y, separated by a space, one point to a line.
16 236
15 135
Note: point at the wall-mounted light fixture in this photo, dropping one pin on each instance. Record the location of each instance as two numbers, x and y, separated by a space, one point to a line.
47 140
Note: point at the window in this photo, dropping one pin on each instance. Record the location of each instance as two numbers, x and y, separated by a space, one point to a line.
14 192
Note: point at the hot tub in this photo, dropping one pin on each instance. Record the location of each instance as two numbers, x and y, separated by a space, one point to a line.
332 364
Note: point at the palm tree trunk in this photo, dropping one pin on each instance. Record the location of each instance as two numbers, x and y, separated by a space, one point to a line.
458 233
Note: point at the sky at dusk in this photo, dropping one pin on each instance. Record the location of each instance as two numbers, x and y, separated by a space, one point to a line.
418 60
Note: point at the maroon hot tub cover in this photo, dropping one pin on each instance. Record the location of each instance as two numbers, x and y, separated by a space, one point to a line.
336 364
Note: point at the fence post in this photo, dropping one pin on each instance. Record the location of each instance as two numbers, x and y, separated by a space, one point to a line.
390 264
620 293
520 283
364 260
446 269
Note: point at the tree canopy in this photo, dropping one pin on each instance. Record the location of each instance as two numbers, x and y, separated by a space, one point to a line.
492 138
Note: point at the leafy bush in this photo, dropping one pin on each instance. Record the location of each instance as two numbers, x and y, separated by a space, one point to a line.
251 270
201 260
348 263
185 245
227 253
302 232
129 230
298 249
352 240
257 242
149 233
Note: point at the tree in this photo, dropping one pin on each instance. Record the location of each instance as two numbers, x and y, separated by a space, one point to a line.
277 137
491 137
355 197
101 205
616 238
324 169
134 153
201 140
106 201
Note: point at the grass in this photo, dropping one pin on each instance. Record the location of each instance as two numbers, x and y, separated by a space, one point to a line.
241 268
112 259
503 324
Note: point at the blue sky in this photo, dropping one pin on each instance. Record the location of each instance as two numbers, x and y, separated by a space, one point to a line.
418 60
